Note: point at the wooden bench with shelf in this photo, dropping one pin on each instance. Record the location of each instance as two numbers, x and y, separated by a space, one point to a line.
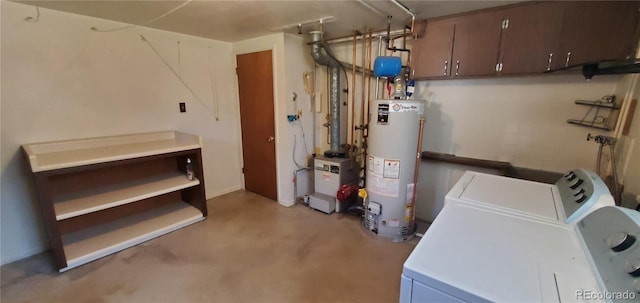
101 195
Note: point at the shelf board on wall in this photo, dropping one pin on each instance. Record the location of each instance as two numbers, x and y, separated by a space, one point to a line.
598 104
98 241
111 196
62 154
587 124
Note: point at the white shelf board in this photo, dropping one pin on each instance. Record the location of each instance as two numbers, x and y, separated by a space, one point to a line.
64 154
96 242
106 197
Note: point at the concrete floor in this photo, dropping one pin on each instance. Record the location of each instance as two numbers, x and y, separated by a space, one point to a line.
249 249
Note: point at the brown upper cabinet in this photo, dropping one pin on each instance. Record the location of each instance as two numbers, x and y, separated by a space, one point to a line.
475 44
527 38
599 30
432 53
458 47
531 38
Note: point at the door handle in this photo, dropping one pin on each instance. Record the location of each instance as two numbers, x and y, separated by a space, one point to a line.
270 139
549 61
566 63
446 67
457 67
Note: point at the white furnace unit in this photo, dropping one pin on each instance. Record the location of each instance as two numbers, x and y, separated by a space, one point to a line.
329 175
394 136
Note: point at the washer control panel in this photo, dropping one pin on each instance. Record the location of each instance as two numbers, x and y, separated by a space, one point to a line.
582 191
610 235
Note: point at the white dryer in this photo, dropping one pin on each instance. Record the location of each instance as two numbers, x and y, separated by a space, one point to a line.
478 254
576 194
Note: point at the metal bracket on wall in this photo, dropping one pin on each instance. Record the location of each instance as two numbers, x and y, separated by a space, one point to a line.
597 119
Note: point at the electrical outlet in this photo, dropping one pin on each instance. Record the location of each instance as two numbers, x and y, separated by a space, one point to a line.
183 107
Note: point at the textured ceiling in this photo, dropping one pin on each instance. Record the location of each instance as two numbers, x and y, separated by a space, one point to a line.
239 20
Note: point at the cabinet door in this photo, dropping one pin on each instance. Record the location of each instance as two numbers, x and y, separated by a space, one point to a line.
599 30
432 56
476 44
531 38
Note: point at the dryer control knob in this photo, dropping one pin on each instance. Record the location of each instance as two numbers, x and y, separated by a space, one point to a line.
575 184
632 267
620 241
570 176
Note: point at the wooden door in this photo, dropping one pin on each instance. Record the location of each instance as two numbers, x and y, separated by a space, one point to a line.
530 41
432 53
476 44
255 91
599 30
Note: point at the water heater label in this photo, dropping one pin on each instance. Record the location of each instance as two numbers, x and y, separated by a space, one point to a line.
391 169
383 113
375 165
383 186
400 107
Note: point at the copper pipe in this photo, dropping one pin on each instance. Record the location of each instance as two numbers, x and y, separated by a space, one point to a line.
364 52
416 171
378 78
353 95
369 78
345 38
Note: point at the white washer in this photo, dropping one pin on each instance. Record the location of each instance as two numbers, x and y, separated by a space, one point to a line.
570 199
476 254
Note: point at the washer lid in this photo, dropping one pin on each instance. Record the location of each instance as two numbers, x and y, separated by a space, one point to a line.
531 198
475 254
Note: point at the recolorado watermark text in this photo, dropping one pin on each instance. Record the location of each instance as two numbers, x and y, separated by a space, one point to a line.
588 295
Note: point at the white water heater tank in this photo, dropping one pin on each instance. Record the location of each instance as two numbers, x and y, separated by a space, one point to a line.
392 148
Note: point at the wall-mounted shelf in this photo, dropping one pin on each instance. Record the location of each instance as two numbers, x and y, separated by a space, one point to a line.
595 118
102 195
611 105
587 124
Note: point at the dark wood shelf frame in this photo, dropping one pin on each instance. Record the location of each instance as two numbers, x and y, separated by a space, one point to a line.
51 184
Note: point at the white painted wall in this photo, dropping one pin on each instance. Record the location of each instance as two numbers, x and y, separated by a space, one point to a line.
298 134
65 81
629 163
519 120
290 60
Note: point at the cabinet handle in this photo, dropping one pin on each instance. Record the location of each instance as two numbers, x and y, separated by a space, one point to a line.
446 66
457 67
566 64
549 61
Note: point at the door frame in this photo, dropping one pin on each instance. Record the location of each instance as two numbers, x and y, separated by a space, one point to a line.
276 96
